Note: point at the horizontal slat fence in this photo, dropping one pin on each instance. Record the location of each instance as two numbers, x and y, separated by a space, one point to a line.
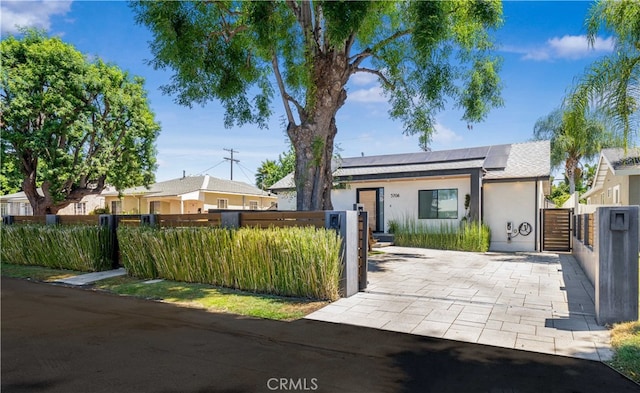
282 219
189 220
78 220
30 219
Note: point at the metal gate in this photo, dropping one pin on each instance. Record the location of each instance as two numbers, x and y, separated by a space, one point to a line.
556 229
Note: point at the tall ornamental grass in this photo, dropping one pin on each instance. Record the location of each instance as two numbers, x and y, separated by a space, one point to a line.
472 236
76 247
296 261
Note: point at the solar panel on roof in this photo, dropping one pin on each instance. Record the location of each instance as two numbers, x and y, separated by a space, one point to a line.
497 157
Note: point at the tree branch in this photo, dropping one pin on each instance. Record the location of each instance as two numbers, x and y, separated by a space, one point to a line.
286 98
374 72
368 51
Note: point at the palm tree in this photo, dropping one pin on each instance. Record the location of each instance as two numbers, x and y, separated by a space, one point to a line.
613 83
573 138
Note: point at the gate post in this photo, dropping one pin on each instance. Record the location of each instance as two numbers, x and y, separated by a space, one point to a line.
617 270
346 224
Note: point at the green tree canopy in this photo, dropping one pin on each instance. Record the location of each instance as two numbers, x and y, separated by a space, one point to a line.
70 125
613 83
242 52
270 171
574 138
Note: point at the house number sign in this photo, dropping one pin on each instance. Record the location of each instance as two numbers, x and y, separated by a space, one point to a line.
395 195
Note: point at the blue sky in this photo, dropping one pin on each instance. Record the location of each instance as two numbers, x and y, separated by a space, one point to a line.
542 44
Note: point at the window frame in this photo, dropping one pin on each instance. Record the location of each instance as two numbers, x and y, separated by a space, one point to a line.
224 201
80 208
437 206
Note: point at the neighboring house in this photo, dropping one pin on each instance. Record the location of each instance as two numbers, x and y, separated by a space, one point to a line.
188 195
504 184
617 180
18 205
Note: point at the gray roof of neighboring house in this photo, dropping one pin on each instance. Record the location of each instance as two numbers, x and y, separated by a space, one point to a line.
509 161
619 160
189 184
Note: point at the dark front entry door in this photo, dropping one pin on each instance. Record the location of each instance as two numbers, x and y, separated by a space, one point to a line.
372 199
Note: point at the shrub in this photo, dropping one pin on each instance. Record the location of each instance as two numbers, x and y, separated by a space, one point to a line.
302 262
469 236
77 247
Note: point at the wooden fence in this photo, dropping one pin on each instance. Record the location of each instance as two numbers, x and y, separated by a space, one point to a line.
226 219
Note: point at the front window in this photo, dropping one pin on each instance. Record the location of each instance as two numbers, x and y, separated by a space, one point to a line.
223 203
438 204
154 207
116 207
80 208
253 205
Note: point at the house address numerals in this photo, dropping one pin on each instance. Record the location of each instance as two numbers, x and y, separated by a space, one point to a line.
394 195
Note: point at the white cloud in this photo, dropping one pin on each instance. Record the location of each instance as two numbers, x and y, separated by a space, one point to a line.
373 94
576 47
14 14
570 47
363 79
445 136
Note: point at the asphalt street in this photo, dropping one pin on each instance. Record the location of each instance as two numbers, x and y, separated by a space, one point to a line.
62 339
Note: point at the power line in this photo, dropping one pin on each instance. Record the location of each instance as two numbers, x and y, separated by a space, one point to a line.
230 159
210 168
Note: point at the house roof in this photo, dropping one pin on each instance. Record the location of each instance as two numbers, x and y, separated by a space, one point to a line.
22 197
618 162
187 184
509 161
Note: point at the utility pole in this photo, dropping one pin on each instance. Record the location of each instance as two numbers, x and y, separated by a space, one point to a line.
231 159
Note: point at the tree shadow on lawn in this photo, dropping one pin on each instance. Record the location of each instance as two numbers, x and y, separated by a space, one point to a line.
214 298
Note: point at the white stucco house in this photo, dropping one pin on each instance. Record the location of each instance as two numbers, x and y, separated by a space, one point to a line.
504 183
18 204
617 180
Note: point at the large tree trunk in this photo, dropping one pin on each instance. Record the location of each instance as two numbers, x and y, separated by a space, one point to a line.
313 139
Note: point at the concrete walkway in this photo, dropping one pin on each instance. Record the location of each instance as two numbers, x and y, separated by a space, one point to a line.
533 302
90 278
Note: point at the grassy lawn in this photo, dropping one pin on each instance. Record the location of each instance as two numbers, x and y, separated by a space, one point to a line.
203 296
625 340
36 273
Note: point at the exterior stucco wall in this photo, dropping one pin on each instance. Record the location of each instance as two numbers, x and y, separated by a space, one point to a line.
401 197
515 202
605 195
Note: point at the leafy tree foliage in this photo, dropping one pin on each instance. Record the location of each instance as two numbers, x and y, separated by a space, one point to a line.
613 83
69 125
245 53
574 138
270 171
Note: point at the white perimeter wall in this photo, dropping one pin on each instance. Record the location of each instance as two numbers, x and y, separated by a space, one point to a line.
515 202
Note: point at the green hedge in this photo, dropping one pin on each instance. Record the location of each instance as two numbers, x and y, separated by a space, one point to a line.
82 248
302 262
471 236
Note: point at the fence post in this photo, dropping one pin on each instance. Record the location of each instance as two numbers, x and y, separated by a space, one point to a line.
52 219
230 220
346 224
148 219
109 221
616 281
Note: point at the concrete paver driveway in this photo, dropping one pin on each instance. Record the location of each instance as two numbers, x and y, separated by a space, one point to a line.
530 301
